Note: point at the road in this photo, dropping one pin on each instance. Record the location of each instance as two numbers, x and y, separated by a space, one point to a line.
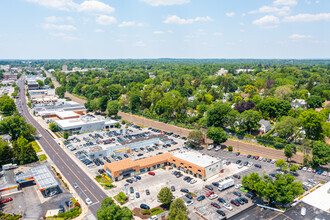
69 169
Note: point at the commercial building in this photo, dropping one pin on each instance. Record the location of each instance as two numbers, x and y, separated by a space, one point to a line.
125 147
319 198
193 163
9 76
84 124
48 109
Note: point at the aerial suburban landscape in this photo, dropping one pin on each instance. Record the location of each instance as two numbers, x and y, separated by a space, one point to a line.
165 109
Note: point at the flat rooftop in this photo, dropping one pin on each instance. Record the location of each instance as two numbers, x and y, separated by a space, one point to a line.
153 136
43 177
78 122
195 158
320 198
65 114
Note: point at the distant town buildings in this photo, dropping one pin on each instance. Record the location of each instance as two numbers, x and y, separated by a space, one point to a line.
244 70
64 68
221 72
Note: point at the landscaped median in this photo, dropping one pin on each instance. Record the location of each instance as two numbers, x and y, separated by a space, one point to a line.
104 181
121 198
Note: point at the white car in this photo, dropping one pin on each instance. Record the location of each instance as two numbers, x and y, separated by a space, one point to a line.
312 181
132 197
238 186
309 170
240 166
75 185
324 173
273 161
304 168
260 158
213 196
193 181
227 206
88 201
250 164
189 202
217 149
210 148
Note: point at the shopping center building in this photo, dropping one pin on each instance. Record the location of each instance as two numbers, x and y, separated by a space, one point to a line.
190 162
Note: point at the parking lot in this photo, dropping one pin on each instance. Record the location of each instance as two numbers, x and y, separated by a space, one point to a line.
78 145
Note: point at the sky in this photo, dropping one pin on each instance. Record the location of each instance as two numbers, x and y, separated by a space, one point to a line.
111 29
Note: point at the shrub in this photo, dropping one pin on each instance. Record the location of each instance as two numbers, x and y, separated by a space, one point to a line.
146 212
122 196
230 148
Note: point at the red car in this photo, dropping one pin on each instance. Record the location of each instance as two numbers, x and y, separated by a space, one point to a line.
216 205
6 200
257 157
151 173
209 193
234 202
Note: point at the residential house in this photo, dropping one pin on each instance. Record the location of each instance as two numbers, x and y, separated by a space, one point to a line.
264 126
299 103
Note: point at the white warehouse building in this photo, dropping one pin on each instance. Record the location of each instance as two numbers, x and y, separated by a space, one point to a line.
84 124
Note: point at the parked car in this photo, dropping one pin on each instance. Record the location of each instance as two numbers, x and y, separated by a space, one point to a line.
131 189
172 188
216 205
244 200
88 201
152 173
239 201
184 190
144 206
220 212
257 165
200 198
234 202
6 200
221 200
237 176
147 192
216 184
209 187
237 194
209 193
227 206
189 202
137 195
238 153
189 196
61 208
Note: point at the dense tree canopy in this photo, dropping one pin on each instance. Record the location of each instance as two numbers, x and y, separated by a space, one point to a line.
110 211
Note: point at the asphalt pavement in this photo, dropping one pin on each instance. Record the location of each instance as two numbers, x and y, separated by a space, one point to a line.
69 169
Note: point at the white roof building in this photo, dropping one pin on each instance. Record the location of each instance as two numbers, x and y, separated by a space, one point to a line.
320 198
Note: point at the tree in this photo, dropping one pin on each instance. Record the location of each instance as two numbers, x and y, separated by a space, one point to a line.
41 83
290 150
53 127
178 211
216 115
287 127
51 85
110 211
66 135
280 163
6 153
165 196
249 120
14 94
243 106
195 138
60 91
312 121
24 152
134 102
113 108
16 126
218 135
283 92
294 168
321 154
102 103
47 81
7 105
314 101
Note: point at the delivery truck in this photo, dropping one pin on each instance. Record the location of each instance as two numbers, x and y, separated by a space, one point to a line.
226 184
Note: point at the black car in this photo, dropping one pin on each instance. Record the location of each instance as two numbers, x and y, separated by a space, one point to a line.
209 187
200 198
244 200
245 163
239 201
137 195
131 189
252 157
238 161
237 176
220 212
238 153
215 184
67 203
184 190
139 155
248 195
300 168
248 156
189 196
237 194
144 206
269 160
129 180
185 178
61 209
147 192
257 165
172 188
221 200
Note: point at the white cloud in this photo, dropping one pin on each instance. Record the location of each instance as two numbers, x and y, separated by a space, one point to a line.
285 10
300 36
217 33
95 7
268 21
65 5
54 19
165 2
241 23
130 24
64 36
230 14
242 30
140 44
308 17
106 20
285 2
63 27
98 30
159 32
173 19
